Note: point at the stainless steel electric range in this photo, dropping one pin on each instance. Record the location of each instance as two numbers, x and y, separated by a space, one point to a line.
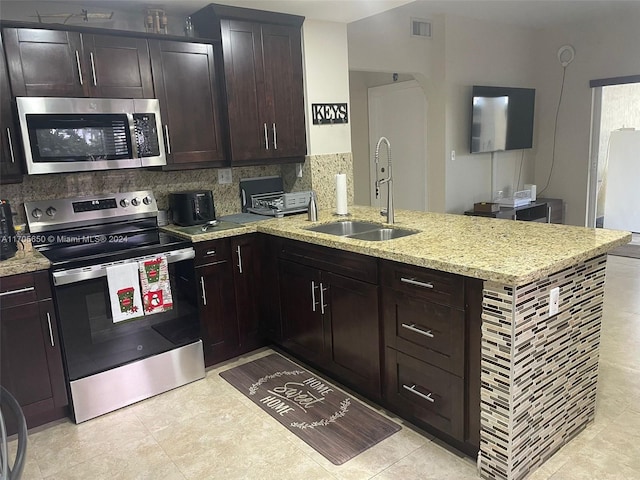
117 350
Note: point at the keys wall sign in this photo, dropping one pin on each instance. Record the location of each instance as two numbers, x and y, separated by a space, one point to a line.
329 113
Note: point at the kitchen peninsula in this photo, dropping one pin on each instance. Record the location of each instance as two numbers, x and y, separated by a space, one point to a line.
538 372
528 378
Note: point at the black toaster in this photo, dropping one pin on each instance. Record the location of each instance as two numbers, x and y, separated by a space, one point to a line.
193 207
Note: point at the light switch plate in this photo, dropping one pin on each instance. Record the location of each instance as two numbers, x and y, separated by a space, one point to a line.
224 176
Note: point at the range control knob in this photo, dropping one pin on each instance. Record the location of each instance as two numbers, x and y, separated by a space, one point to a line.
51 211
36 213
147 200
135 202
124 202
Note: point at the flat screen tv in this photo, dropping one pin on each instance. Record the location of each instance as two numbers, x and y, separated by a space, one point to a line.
501 118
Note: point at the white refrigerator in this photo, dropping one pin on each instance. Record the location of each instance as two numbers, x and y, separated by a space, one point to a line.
622 204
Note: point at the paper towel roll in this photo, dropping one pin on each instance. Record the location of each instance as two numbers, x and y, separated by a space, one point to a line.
341 194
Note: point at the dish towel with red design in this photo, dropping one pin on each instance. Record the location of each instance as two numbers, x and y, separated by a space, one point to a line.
124 291
156 289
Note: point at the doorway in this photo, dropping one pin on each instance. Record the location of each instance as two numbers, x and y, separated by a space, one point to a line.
398 112
615 166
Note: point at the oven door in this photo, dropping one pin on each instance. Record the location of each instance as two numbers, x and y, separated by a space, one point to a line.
93 343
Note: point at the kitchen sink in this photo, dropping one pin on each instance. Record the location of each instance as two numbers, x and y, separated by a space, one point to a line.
346 228
373 232
382 234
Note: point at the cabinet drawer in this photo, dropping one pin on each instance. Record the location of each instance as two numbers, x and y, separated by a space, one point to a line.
352 265
440 287
24 288
425 330
424 393
212 251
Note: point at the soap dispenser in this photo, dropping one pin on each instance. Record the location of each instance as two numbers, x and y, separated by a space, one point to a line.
312 208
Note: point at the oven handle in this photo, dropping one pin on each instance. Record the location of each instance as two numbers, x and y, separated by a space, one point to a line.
65 277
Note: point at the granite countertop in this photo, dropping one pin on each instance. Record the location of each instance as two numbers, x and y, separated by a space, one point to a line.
505 251
25 260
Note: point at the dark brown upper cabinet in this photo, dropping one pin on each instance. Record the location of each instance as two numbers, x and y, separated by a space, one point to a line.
262 58
59 63
185 84
10 153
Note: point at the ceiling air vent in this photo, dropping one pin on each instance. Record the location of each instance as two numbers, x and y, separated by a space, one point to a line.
420 28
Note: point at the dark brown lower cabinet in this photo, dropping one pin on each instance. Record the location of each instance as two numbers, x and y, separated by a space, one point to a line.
227 279
214 281
30 358
432 328
329 318
248 279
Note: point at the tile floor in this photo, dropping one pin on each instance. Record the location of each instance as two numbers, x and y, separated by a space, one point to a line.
209 430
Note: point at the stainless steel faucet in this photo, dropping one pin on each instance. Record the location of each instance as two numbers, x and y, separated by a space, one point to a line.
389 180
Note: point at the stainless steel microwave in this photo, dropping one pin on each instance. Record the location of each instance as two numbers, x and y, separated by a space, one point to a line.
87 134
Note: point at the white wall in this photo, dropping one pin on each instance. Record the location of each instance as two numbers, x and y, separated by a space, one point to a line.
481 53
608 47
461 53
326 71
383 43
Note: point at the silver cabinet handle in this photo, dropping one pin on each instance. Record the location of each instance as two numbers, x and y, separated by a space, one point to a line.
79 67
166 134
413 328
275 138
313 296
204 292
93 70
13 158
239 259
322 304
210 252
14 292
411 281
548 213
412 389
266 138
53 344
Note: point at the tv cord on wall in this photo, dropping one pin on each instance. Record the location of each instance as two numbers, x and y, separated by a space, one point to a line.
517 185
555 130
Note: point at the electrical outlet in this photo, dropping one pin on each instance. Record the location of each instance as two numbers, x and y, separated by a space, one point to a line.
554 301
224 176
453 155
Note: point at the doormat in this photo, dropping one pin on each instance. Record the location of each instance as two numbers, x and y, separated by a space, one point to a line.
332 422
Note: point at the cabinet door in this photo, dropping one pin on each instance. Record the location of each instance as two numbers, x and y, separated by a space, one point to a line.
10 162
354 331
45 63
217 311
249 128
119 67
185 83
302 317
31 365
248 280
284 92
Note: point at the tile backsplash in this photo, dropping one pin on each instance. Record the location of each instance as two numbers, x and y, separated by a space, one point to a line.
318 173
